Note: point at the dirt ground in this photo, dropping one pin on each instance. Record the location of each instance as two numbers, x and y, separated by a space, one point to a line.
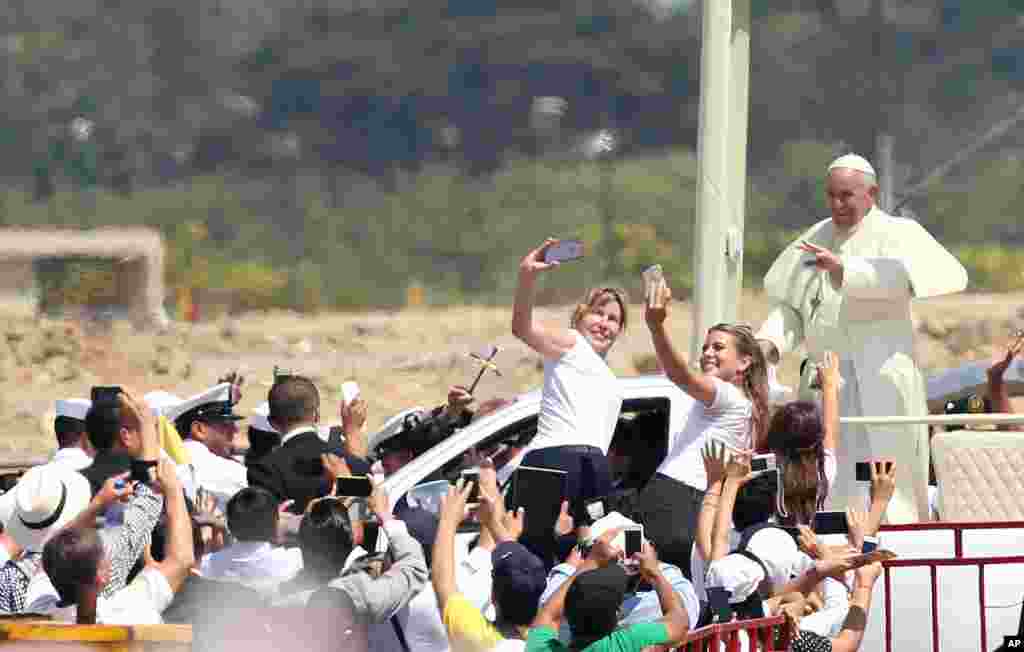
399 358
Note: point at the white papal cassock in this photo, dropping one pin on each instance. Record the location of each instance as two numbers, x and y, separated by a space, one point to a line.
887 261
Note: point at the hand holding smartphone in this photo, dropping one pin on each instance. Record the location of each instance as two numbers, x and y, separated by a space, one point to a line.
472 475
653 277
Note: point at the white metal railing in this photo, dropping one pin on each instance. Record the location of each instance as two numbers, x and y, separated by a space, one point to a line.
938 420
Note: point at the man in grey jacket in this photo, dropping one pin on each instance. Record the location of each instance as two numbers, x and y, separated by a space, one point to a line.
372 596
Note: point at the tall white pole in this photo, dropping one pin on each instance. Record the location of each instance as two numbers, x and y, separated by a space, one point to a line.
722 151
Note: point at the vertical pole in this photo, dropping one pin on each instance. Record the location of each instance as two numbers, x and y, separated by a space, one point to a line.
883 154
722 184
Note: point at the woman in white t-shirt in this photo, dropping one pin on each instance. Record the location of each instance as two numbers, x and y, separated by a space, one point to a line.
805 441
732 388
581 399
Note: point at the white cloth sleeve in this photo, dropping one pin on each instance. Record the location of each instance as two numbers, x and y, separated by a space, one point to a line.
784 327
875 278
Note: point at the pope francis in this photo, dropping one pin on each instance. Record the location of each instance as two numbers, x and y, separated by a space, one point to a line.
846 286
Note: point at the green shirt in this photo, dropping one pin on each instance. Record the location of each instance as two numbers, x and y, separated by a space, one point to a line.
628 639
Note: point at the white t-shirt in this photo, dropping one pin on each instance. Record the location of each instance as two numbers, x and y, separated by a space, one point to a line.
140 603
258 565
580 403
727 418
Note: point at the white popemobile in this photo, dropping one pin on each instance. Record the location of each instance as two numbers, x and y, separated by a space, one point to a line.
665 409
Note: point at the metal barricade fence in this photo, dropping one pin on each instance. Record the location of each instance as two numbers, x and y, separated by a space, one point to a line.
933 565
762 635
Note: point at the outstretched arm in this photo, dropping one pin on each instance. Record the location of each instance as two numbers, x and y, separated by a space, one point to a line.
997 388
694 383
549 342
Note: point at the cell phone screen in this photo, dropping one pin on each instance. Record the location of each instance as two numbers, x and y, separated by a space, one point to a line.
762 462
564 251
863 472
371 530
354 486
540 492
634 541
830 523
105 395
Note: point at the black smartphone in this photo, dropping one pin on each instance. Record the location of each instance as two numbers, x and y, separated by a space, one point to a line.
863 472
540 492
831 523
105 395
371 531
358 486
472 475
760 463
634 540
140 471
335 441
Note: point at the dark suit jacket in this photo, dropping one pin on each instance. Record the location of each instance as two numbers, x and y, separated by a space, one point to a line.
293 471
105 465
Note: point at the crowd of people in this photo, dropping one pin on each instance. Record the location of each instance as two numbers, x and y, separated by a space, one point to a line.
148 514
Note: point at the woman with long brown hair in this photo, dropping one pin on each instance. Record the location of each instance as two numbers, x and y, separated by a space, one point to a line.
731 388
805 441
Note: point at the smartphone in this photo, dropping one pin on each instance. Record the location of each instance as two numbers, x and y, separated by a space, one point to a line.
472 475
359 486
830 523
596 509
349 392
870 545
863 472
540 493
634 540
371 532
140 471
653 277
564 250
105 395
760 463
336 441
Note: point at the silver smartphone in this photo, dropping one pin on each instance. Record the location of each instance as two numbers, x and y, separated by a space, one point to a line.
563 251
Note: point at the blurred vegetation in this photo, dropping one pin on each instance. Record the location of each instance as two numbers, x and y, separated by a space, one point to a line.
333 156
461 240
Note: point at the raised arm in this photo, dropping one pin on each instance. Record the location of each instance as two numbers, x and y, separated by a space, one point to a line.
852 634
783 329
997 388
737 474
453 510
692 382
828 375
601 554
714 466
180 552
548 341
675 618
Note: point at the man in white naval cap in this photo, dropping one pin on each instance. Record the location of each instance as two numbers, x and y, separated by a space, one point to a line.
73 448
846 285
208 425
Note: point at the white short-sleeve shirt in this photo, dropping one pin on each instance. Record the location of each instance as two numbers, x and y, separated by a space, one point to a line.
140 603
727 419
580 401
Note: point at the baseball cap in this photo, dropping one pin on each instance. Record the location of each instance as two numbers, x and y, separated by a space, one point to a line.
519 572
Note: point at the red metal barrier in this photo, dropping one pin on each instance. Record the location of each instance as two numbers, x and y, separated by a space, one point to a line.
933 565
766 635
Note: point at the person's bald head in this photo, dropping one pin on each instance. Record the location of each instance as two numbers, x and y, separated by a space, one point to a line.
850 193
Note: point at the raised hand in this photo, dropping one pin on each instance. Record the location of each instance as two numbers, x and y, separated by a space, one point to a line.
828 372
453 504
823 258
603 552
714 461
737 469
565 523
533 262
657 309
883 481
1002 361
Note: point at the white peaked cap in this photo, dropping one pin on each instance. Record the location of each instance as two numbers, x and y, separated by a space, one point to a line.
853 162
259 419
75 408
160 402
213 402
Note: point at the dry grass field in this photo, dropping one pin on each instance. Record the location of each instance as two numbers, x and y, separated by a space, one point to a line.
399 358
